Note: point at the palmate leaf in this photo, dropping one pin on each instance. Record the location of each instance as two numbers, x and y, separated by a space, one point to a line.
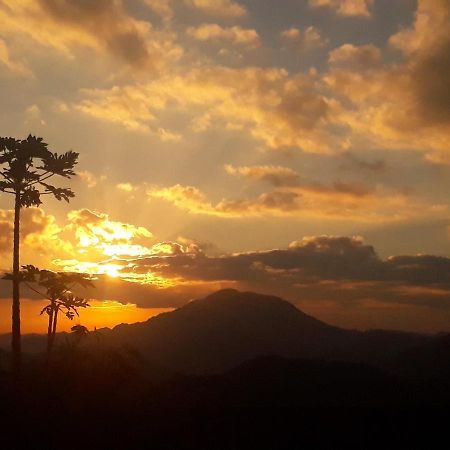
59 193
27 274
34 147
30 197
60 164
8 145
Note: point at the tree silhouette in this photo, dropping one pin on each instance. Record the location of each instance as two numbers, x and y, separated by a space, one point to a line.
79 330
57 288
26 166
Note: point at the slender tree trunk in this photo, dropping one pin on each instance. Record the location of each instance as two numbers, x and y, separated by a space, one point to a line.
49 332
16 347
52 331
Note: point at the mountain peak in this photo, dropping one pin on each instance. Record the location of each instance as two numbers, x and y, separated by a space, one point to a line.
227 328
233 298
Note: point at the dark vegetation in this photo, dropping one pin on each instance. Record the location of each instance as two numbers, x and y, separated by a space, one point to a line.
112 389
27 168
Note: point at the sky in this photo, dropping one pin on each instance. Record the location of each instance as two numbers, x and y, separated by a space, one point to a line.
298 148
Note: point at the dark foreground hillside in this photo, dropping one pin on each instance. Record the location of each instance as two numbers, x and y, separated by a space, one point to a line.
231 371
109 401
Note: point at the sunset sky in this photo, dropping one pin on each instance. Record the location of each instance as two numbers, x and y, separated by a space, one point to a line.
293 147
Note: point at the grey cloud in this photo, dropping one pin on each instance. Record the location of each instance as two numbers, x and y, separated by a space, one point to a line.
108 22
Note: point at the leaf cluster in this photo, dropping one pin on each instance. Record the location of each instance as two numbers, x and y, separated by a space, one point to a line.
26 166
56 287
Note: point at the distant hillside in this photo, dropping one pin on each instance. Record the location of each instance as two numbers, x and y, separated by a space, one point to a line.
227 328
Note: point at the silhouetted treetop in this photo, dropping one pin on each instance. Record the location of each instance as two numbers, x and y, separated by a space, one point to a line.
27 165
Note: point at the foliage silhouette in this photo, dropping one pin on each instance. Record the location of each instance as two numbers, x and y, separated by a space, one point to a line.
57 288
26 166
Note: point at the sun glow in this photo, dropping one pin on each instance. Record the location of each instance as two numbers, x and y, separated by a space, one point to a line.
105 247
112 270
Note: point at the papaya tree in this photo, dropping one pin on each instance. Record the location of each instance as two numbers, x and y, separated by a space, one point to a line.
27 167
57 288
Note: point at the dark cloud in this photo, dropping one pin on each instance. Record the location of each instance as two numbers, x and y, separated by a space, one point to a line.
352 161
432 83
108 23
339 279
311 259
283 177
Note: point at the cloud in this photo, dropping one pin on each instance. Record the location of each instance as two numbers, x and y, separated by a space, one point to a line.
318 272
102 26
95 231
161 7
279 176
427 46
404 104
89 178
16 67
40 234
275 175
339 278
220 8
363 55
126 187
268 104
346 8
236 35
291 34
353 161
308 39
294 197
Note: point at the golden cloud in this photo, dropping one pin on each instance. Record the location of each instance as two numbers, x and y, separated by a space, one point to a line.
16 67
308 39
161 7
407 104
40 234
236 35
347 8
279 110
221 8
95 230
275 175
102 25
363 55
340 201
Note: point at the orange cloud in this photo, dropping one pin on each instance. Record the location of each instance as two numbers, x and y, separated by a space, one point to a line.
407 104
16 67
363 55
292 198
236 35
40 235
221 8
96 231
272 107
103 26
349 8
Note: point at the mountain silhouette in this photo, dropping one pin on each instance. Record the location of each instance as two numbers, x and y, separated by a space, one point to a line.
229 327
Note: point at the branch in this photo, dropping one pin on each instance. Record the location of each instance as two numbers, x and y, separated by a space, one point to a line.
42 177
37 292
